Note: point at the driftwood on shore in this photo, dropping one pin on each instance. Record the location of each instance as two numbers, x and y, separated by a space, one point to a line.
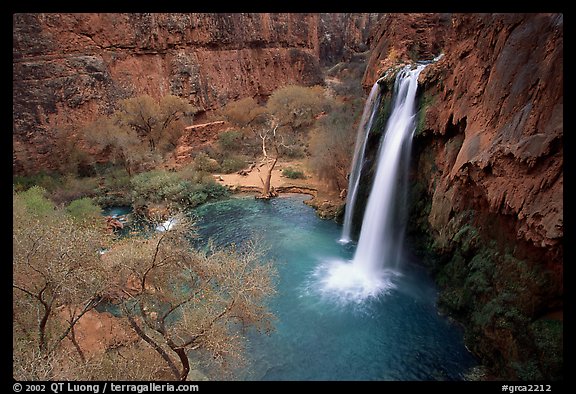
199 126
248 170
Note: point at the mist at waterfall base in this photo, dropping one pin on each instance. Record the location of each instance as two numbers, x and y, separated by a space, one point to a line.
376 264
396 337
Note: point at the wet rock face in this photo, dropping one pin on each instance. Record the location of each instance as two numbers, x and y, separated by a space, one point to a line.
70 67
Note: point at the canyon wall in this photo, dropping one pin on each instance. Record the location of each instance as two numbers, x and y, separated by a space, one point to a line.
487 196
67 68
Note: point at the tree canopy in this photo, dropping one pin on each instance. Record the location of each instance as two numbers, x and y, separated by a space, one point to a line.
140 130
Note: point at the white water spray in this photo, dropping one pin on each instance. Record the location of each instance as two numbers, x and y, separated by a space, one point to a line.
379 246
167 225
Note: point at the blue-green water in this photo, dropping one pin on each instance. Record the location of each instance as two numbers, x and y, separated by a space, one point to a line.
397 336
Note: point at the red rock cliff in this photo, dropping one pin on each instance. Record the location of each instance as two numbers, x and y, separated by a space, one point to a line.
499 85
488 151
69 67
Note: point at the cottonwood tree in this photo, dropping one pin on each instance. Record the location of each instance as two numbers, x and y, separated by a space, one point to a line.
57 277
120 143
140 130
242 112
296 107
158 123
184 302
278 125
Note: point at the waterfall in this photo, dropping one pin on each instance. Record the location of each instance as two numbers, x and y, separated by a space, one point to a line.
378 253
380 237
358 161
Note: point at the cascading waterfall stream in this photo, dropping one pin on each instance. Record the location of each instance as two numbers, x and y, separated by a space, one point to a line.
379 237
377 255
358 161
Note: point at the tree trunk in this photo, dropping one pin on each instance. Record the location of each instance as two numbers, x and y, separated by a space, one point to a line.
267 189
181 352
154 345
77 346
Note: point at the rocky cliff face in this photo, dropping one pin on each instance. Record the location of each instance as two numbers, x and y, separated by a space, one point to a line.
488 178
69 67
402 38
342 35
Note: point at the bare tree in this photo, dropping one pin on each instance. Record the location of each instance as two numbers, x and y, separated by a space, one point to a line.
271 139
55 264
120 143
154 121
180 302
184 302
279 125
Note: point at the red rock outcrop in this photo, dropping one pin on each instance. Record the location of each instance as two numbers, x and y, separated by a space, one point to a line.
501 84
352 35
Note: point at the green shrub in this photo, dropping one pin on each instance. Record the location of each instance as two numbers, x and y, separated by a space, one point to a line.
34 200
162 186
232 164
291 173
205 163
202 192
230 141
83 209
116 179
154 186
47 181
527 371
549 339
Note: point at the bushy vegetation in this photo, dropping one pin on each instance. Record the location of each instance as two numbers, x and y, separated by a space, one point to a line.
185 301
232 164
48 181
203 162
61 189
187 189
230 141
83 209
332 144
498 294
140 131
114 188
34 201
292 173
